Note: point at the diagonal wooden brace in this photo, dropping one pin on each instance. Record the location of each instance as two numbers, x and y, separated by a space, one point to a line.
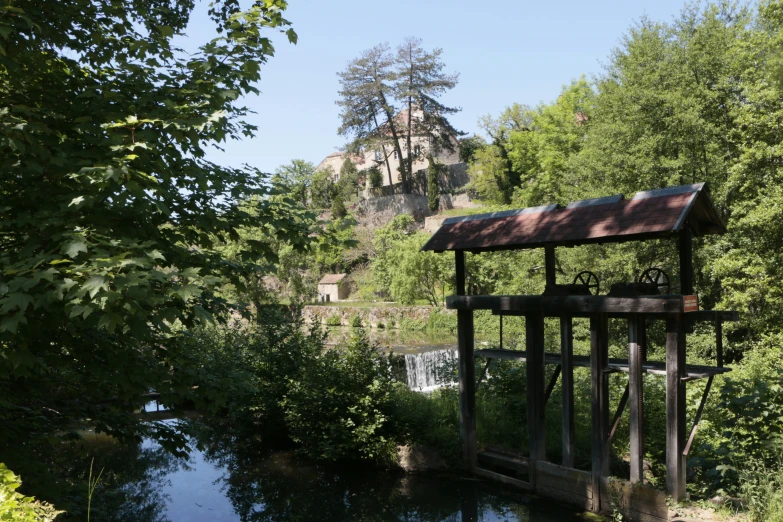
551 385
698 416
619 413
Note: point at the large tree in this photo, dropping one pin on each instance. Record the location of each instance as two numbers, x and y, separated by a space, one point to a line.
296 177
111 214
387 99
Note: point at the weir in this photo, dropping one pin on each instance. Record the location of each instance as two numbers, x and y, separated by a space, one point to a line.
679 213
427 371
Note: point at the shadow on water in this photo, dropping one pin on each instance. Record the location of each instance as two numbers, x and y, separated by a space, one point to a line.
233 478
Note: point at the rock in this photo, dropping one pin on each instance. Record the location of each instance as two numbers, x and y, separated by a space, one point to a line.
419 458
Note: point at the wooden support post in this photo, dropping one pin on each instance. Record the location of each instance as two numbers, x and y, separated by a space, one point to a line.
466 371
719 342
675 406
534 338
686 260
599 361
549 265
459 262
697 419
567 368
501 331
636 397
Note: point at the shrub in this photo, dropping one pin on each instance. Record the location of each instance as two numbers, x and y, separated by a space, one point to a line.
356 321
761 489
376 178
338 207
15 506
337 408
333 320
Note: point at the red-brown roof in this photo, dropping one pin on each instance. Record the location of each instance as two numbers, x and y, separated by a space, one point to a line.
648 215
331 279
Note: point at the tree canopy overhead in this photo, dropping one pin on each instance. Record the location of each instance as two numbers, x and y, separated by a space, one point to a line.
110 211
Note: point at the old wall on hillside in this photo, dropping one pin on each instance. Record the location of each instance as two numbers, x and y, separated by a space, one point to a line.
388 316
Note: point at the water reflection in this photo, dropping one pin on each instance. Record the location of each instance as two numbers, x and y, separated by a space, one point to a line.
231 478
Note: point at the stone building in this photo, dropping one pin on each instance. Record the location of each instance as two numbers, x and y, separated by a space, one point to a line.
385 158
333 287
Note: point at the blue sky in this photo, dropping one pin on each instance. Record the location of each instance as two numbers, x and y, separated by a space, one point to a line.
505 52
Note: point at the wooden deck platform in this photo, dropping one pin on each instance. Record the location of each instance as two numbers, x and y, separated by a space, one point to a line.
692 371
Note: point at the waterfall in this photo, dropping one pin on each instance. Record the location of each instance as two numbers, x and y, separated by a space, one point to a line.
430 370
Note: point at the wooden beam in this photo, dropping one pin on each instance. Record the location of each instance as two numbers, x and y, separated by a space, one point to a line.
691 372
567 400
719 343
675 407
467 387
557 306
459 262
599 381
636 397
534 339
549 265
685 244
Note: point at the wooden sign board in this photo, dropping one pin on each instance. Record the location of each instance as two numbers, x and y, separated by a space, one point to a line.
690 303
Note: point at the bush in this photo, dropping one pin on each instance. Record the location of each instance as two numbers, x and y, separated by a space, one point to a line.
337 408
338 207
761 489
333 320
15 506
376 177
356 321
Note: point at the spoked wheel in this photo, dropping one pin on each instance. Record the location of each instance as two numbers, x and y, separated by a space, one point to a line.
589 280
657 277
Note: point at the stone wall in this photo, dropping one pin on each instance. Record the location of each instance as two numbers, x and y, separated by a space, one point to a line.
388 316
398 204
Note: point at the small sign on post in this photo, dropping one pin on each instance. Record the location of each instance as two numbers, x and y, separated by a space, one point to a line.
690 303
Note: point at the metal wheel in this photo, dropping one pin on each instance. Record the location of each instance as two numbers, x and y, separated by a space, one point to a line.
588 279
657 277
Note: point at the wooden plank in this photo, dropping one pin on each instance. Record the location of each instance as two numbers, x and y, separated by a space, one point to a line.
692 371
573 480
467 387
599 404
503 459
567 399
534 339
503 479
556 306
675 407
636 397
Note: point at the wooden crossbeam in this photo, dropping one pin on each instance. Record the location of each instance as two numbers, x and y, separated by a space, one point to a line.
692 371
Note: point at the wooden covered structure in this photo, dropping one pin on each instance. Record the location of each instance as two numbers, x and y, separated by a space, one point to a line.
678 213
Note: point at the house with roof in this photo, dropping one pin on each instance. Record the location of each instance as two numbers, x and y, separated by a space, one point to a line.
334 287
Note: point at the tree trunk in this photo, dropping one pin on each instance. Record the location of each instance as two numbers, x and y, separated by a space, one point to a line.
385 156
395 135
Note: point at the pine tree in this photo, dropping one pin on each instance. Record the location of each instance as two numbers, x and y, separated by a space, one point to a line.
338 207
